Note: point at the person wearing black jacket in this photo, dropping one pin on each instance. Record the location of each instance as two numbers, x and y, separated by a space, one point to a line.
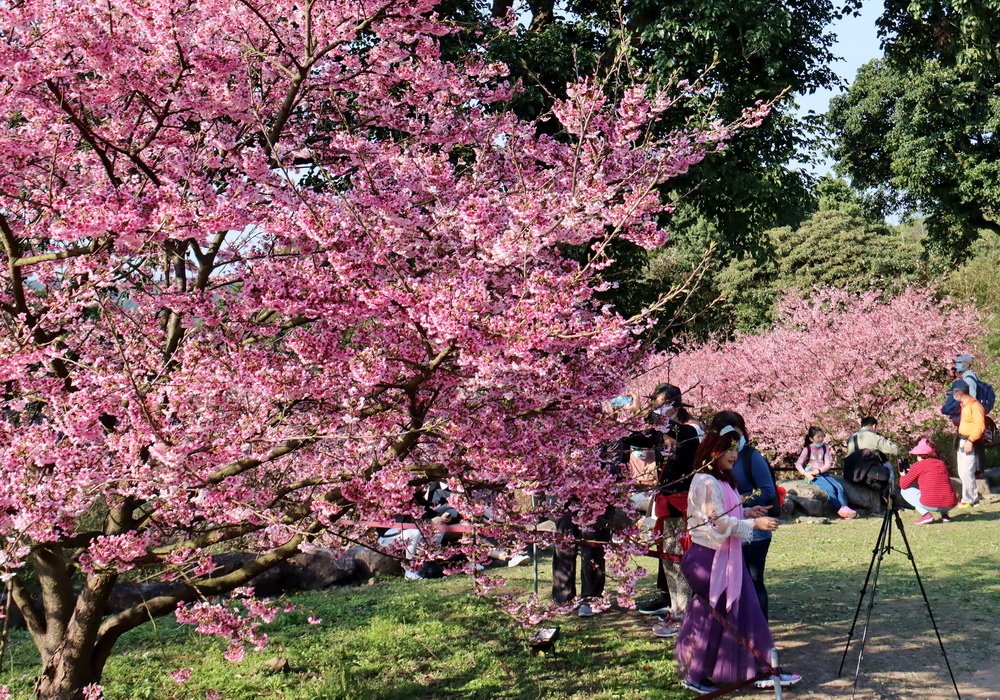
679 444
613 456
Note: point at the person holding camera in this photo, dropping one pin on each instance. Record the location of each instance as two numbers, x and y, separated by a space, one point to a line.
926 485
724 637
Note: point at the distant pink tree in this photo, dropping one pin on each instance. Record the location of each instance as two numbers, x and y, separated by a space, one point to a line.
265 267
830 359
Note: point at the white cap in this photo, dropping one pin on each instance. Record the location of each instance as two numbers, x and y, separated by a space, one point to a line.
967 359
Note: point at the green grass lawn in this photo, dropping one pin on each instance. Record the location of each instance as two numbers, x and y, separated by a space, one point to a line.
432 639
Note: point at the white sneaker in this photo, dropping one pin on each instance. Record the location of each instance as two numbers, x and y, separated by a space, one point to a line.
665 630
785 680
517 560
585 610
412 576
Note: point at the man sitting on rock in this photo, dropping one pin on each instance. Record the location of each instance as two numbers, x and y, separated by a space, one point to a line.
868 439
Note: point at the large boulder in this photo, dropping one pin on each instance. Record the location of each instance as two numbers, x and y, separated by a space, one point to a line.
129 594
273 581
319 568
993 479
983 486
803 497
370 563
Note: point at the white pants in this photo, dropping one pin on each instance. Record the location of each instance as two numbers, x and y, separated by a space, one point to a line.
912 496
410 536
967 464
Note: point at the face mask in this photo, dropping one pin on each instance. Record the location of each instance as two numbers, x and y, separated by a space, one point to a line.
959 367
817 444
741 444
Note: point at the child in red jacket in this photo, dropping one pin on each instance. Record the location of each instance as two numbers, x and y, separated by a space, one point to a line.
927 485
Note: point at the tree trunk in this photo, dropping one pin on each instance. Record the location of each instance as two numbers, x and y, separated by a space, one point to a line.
65 674
69 663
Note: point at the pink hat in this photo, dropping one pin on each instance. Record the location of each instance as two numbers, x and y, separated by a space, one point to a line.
924 447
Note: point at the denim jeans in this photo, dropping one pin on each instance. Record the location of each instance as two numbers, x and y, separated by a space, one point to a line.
833 489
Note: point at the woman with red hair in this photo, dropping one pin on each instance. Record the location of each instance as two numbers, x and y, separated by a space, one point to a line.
724 615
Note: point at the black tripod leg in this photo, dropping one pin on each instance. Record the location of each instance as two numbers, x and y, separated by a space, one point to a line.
927 602
871 602
864 588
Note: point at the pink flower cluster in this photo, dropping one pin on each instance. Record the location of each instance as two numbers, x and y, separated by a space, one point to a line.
267 265
830 359
237 620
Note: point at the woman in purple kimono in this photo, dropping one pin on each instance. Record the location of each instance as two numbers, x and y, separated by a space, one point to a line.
724 616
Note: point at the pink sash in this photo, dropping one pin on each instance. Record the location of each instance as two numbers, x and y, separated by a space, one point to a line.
727 567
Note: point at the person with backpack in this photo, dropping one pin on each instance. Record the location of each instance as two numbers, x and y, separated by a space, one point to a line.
868 439
971 428
978 389
814 462
756 485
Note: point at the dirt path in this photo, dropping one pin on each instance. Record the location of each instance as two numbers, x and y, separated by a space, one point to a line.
902 656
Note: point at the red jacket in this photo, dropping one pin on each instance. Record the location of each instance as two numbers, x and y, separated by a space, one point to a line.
931 477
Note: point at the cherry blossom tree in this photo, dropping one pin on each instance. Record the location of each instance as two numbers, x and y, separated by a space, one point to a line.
267 267
831 358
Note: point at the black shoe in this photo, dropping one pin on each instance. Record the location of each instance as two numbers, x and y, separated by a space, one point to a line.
660 606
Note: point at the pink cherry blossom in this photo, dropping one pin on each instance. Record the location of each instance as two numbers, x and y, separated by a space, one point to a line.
830 359
267 267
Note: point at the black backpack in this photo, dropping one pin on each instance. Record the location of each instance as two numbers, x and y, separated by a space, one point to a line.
866 467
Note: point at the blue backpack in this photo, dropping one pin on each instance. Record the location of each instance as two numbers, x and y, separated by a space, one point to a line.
985 395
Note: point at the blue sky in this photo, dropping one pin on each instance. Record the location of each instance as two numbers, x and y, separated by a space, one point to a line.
857 43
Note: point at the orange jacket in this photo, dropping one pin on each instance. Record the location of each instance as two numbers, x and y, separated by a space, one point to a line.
972 424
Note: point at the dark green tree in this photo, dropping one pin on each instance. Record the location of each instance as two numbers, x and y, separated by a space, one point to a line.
917 130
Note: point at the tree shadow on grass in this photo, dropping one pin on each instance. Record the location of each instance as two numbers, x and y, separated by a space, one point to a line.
811 620
433 640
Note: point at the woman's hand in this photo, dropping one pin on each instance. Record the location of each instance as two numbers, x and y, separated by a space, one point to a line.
755 511
765 524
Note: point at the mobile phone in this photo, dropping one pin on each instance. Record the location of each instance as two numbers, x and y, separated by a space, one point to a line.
621 401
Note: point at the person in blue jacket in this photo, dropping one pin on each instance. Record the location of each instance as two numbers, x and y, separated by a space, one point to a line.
755 483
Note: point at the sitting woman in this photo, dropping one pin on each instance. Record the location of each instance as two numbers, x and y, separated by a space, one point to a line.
724 638
814 463
927 485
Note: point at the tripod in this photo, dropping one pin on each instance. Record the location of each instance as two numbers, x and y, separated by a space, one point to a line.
883 545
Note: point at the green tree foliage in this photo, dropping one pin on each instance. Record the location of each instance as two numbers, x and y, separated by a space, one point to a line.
754 50
916 130
977 280
841 245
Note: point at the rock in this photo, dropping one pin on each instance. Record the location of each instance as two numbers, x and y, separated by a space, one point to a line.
370 563
278 664
319 568
982 486
993 479
129 594
273 581
806 498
